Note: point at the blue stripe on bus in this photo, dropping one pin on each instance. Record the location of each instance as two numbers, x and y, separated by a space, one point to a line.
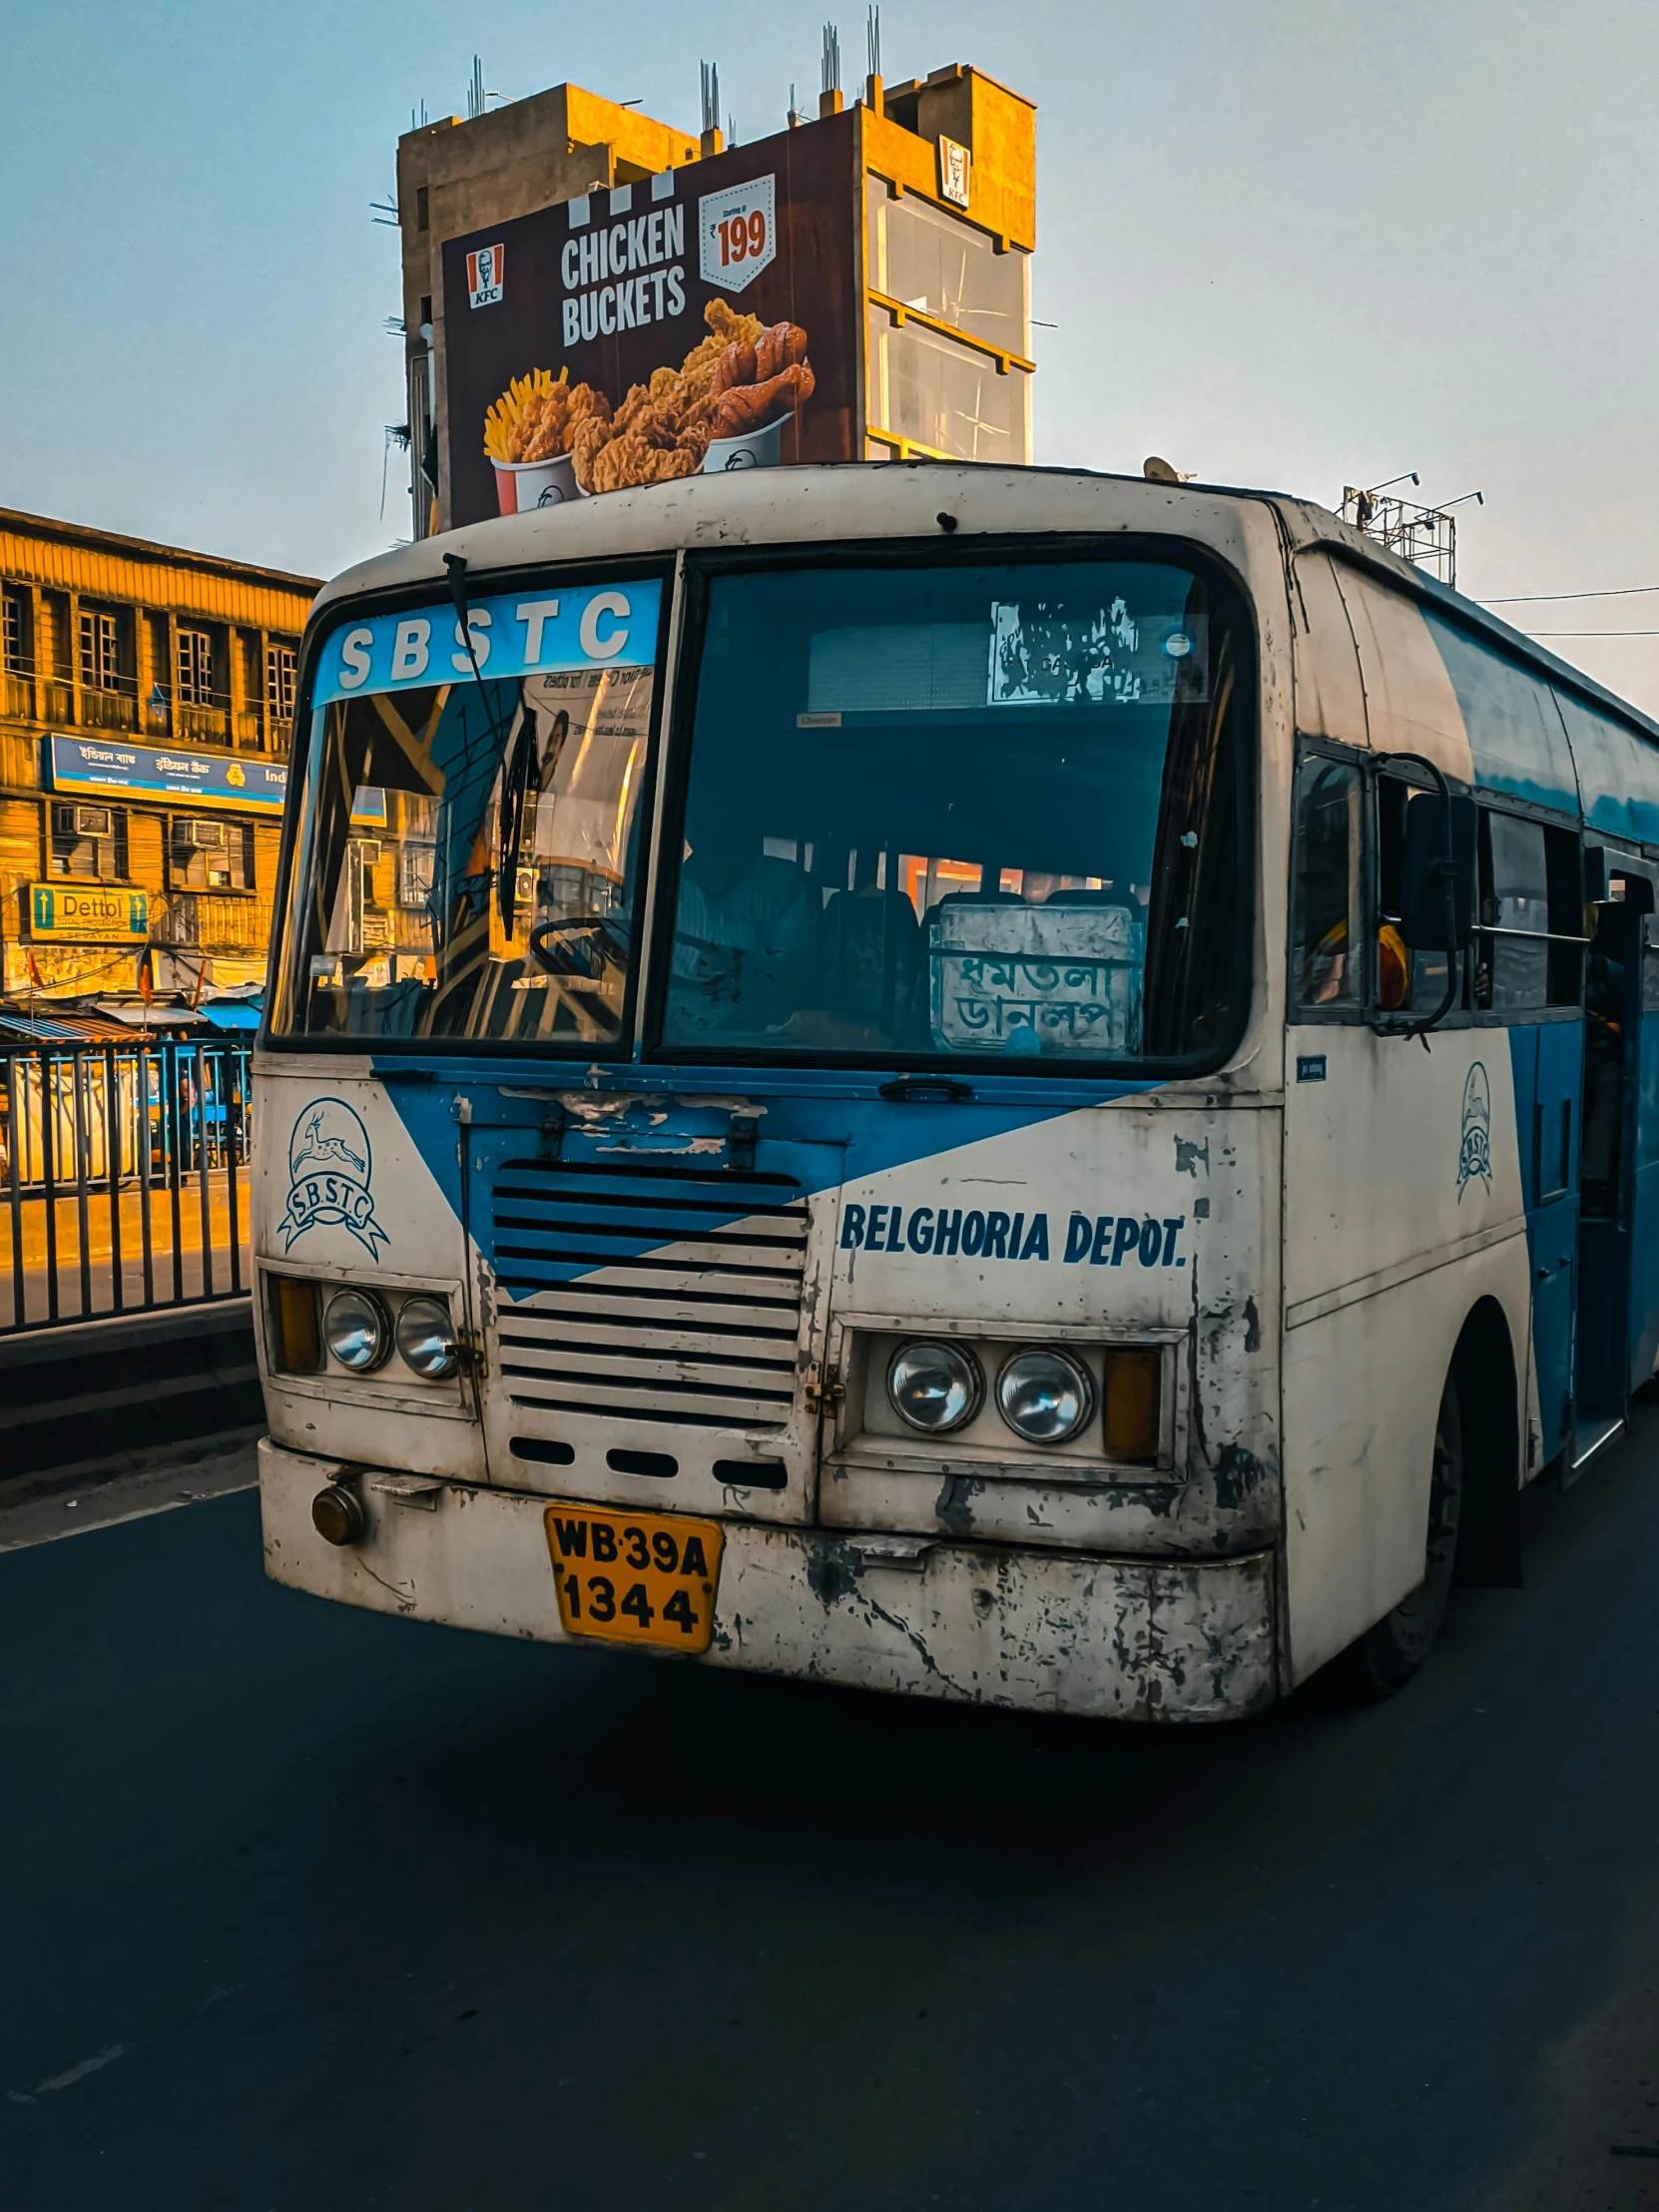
1516 742
856 1139
1618 769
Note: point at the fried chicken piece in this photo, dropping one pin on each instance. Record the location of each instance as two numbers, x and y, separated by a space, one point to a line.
749 407
543 424
590 437
782 346
626 461
726 328
548 420
694 440
665 467
729 322
633 406
734 366
587 399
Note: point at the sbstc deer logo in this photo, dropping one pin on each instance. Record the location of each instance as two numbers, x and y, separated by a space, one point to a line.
1474 1151
329 1164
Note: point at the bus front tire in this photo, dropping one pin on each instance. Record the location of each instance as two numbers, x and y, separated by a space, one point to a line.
1387 1655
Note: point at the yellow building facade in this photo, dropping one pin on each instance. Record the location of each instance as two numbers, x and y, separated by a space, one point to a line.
146 717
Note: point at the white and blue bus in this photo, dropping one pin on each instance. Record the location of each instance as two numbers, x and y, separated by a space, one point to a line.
1009 1084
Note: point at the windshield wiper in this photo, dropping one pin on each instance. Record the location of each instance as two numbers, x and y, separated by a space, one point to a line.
516 774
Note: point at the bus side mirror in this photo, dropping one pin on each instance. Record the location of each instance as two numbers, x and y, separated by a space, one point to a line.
1424 916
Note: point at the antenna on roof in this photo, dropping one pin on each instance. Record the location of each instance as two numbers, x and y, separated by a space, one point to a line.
795 118
1157 470
1424 536
711 140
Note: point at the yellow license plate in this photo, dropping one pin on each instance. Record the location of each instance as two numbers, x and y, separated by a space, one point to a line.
635 1578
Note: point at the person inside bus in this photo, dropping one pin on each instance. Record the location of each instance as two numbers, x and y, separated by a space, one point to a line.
1327 981
871 952
745 933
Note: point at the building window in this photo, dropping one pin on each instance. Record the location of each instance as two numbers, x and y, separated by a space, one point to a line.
88 842
204 855
100 650
14 633
281 671
196 668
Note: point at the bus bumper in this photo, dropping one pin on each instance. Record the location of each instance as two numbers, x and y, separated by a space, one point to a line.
1045 1631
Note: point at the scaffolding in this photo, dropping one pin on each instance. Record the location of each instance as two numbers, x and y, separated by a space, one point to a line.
1424 536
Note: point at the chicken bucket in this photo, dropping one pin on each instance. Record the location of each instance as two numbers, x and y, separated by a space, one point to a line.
522 485
761 448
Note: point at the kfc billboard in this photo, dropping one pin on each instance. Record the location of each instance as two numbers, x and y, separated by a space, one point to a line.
705 319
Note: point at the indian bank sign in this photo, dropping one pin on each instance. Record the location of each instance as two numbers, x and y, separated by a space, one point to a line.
90 914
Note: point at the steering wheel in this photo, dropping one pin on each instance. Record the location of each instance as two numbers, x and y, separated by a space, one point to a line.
579 945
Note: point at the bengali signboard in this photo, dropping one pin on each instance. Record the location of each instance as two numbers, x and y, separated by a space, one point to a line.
88 913
109 769
700 321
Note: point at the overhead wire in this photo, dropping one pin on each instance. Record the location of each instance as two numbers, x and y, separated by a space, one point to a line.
1536 598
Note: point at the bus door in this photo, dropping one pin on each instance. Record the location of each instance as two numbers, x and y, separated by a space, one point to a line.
1546 1058
1618 1327
1529 973
1641 1121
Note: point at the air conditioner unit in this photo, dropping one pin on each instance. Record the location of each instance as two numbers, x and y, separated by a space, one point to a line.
92 821
205 836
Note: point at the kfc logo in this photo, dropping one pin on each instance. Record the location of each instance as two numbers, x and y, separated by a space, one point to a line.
484 275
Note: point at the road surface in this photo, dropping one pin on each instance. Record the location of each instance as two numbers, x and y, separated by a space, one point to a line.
302 1909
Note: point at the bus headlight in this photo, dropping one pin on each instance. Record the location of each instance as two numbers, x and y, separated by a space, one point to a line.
356 1331
935 1387
1044 1397
425 1337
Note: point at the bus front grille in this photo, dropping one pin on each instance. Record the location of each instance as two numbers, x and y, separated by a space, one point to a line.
649 1293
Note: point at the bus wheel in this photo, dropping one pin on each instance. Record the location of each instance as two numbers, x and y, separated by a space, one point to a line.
1387 1656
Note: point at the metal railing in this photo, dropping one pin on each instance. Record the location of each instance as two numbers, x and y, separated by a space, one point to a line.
123 1178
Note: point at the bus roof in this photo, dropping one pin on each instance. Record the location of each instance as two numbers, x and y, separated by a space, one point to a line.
850 502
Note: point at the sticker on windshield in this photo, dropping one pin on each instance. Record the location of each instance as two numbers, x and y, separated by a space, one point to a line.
1049 655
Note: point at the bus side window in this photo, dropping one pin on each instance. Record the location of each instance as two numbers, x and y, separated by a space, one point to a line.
1532 913
1407 981
1328 925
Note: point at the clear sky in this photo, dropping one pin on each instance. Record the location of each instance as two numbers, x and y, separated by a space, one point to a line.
1294 242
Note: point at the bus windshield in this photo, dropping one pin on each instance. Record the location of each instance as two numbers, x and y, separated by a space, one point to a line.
957 812
963 811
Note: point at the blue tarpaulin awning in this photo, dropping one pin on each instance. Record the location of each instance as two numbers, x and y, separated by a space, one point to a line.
231 1013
